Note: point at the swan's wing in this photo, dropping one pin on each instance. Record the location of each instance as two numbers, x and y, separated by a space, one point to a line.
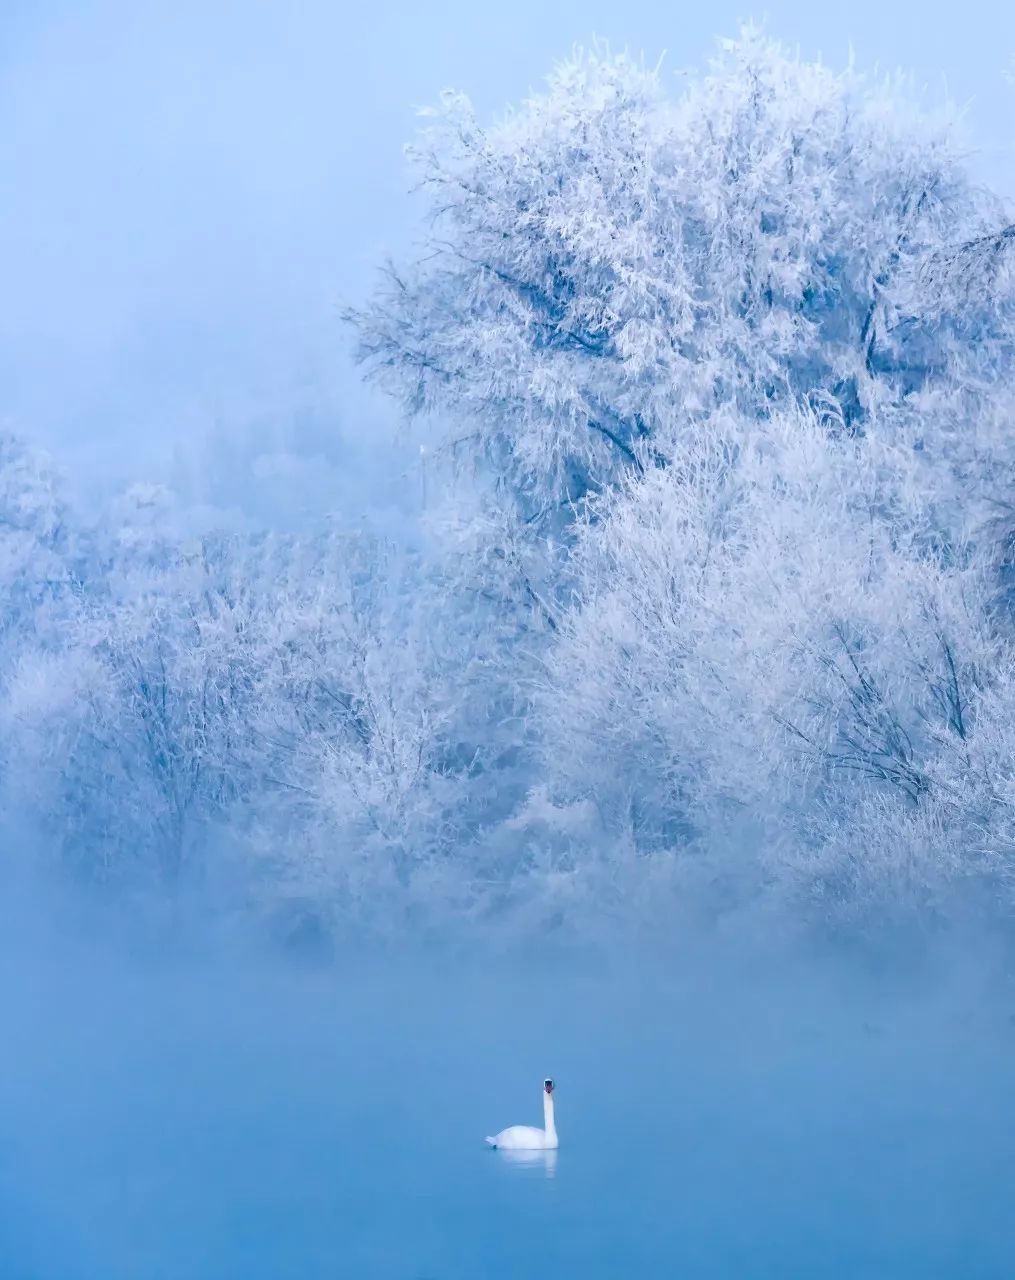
520 1137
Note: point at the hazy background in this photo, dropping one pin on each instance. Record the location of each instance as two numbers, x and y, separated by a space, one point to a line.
188 192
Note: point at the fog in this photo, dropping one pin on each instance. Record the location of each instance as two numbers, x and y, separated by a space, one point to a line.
188 192
182 1115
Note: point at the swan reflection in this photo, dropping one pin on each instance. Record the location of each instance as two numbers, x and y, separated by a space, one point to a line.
547 1160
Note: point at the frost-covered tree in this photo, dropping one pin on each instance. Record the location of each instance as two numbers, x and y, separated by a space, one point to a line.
355 703
740 360
609 264
286 691
763 633
135 729
39 554
41 564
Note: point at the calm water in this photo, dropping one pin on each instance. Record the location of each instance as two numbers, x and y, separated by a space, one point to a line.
201 1124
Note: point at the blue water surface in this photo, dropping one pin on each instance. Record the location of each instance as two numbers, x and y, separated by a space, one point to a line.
262 1123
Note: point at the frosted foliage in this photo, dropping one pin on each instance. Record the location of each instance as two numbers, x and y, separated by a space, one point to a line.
709 611
35 545
755 632
610 264
755 342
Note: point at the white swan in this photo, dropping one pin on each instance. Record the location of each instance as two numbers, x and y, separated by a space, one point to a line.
524 1137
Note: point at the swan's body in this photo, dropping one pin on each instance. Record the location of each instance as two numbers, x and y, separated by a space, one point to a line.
525 1137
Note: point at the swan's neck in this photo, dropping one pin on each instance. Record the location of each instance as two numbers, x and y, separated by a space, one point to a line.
548 1125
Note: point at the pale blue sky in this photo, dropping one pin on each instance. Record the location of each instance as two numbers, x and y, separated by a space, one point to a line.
188 189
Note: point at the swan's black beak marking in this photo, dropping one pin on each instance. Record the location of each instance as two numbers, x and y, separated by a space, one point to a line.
548 1086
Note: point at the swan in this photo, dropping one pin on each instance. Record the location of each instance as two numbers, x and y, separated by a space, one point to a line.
525 1137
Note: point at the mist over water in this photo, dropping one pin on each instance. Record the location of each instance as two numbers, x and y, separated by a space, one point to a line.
184 1115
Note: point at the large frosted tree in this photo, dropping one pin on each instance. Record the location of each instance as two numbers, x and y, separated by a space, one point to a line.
746 350
611 263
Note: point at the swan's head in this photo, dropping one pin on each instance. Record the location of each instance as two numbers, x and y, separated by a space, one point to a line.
548 1085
